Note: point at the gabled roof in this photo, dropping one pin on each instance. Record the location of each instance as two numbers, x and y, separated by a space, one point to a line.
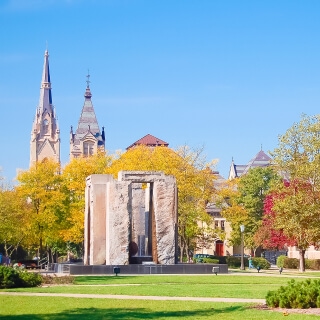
150 141
261 159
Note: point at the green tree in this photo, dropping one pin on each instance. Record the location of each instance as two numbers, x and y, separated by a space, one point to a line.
242 202
298 206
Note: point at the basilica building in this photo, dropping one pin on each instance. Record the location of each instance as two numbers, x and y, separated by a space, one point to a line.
45 133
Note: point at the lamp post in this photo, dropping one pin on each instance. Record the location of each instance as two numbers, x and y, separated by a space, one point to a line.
242 247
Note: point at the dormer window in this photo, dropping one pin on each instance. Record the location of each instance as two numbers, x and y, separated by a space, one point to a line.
88 148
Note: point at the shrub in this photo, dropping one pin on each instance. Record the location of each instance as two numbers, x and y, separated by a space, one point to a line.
235 262
48 279
291 263
300 295
15 278
210 260
29 279
260 262
9 277
308 263
313 264
280 261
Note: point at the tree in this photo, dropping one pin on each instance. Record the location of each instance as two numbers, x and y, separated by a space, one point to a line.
194 180
298 158
41 187
14 220
242 202
74 181
297 215
268 236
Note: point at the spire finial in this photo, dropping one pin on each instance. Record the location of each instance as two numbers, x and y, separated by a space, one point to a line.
261 146
88 79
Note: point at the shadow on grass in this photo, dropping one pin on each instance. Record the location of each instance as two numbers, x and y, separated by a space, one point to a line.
92 279
127 314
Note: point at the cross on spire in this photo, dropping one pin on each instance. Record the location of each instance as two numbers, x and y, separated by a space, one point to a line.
88 79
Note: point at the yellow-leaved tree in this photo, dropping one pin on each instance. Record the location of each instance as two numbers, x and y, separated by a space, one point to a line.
194 180
41 187
74 180
14 221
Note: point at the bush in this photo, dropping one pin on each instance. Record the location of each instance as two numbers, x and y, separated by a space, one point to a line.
30 279
9 277
260 262
280 261
291 263
300 295
48 279
235 262
210 260
18 278
313 264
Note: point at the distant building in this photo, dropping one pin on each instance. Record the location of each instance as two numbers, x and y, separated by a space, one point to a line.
221 247
87 139
149 141
45 133
260 160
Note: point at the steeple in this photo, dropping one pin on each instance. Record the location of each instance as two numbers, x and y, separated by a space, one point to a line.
87 139
45 102
45 133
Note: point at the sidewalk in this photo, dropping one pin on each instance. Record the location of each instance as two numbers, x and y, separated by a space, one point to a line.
127 297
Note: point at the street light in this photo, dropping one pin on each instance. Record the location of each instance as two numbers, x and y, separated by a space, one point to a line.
242 247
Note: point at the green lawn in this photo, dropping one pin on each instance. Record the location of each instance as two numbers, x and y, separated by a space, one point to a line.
53 308
243 286
226 286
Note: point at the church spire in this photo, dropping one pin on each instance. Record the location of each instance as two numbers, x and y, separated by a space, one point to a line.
45 133
45 101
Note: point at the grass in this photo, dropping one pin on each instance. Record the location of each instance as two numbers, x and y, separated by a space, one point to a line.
50 308
60 308
222 286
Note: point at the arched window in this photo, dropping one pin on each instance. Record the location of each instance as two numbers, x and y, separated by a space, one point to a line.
88 147
45 125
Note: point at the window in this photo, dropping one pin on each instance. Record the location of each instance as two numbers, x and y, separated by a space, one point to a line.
88 148
216 224
45 126
222 225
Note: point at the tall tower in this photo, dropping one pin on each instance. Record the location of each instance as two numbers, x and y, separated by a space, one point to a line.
45 133
87 139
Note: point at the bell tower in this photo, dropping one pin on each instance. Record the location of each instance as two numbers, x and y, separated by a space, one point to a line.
45 133
87 139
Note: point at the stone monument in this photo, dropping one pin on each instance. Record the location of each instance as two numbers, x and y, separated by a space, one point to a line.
130 220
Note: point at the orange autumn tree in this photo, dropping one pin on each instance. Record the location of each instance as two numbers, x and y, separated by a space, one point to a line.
194 181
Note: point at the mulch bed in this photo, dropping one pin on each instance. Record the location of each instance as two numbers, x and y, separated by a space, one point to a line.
315 311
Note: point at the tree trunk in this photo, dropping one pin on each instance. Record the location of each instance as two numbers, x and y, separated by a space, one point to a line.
302 260
182 248
187 252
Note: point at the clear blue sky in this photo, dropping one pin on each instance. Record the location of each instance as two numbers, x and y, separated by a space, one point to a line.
226 75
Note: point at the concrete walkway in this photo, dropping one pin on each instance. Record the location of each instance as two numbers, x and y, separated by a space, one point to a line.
127 297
